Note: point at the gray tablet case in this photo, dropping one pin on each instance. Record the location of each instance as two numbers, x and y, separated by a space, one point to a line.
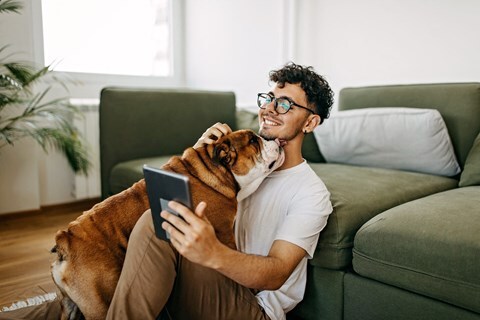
162 187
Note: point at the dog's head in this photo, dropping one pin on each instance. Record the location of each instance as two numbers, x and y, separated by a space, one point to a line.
249 157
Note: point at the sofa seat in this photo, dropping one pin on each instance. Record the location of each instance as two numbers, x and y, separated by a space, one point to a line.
359 194
126 173
429 246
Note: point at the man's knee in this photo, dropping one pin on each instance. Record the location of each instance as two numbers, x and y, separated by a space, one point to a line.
144 225
143 239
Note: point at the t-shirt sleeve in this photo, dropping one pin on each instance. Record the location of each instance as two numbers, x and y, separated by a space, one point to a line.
307 215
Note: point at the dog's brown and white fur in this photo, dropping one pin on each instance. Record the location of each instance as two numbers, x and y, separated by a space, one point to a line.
91 251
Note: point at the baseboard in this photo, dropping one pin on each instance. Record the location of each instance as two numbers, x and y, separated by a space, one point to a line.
80 205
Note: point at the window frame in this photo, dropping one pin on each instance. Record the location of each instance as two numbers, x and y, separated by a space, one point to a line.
176 79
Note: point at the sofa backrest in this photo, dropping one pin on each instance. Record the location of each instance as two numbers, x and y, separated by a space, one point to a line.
458 103
140 123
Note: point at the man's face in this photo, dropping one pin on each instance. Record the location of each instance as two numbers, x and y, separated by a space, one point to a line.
284 126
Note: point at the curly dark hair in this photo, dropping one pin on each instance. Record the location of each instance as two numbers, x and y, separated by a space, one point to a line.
316 88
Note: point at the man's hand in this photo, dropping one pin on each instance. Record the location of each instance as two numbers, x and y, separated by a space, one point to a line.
194 238
213 134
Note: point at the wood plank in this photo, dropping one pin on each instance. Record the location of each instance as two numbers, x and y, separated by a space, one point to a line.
25 243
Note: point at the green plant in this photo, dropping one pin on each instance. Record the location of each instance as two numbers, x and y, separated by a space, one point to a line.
27 113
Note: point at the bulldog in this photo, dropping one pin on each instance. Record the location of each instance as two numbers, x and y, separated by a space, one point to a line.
90 252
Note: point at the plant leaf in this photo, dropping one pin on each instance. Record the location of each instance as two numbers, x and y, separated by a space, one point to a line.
70 144
10 6
48 122
23 73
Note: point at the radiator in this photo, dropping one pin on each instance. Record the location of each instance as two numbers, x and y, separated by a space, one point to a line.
86 187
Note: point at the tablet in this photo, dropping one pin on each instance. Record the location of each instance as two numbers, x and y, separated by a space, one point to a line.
162 187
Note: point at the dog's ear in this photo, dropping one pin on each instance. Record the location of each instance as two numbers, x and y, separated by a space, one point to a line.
62 244
221 154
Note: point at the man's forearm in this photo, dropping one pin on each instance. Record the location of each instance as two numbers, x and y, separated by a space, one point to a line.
258 272
251 271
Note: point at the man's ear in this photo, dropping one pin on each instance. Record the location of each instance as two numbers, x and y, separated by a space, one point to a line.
312 122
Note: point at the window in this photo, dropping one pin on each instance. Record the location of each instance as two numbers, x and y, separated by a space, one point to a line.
113 37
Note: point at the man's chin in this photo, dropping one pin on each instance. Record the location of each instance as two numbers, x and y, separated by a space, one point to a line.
270 137
266 135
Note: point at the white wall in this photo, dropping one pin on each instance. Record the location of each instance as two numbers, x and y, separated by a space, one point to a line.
19 177
370 42
19 168
232 45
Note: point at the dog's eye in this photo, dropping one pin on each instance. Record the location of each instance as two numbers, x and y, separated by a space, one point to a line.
253 139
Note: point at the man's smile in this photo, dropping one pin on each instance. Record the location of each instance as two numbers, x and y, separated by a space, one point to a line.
270 122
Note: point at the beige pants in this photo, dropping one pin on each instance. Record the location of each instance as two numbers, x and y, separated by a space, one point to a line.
155 278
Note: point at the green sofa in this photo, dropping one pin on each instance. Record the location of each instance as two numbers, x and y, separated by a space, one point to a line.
398 245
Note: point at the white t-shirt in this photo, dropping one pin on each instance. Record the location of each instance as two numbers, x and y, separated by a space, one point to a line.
291 205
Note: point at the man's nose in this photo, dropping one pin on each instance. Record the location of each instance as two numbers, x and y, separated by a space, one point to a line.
271 107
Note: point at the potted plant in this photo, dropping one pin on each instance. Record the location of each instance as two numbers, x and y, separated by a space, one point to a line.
24 112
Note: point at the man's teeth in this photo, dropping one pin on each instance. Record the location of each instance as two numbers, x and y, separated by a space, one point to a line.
270 123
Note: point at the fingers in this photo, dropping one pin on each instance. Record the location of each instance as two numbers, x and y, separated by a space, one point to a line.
190 219
200 210
213 134
223 127
175 234
185 232
174 222
187 214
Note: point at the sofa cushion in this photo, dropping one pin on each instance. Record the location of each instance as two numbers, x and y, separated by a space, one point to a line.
247 119
396 138
126 173
471 172
360 193
459 104
429 246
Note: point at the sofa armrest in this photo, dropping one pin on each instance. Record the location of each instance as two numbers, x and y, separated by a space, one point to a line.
140 123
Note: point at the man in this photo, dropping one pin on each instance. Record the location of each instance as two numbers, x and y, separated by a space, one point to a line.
276 230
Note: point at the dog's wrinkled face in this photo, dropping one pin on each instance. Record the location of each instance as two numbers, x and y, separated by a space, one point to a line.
249 157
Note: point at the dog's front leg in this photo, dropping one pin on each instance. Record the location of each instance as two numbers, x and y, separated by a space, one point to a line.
70 310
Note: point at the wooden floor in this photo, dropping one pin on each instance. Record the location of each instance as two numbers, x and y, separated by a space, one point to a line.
25 243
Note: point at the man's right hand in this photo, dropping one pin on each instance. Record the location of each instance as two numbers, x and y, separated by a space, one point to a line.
213 134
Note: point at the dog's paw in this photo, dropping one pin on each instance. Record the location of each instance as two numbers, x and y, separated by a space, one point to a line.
70 310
